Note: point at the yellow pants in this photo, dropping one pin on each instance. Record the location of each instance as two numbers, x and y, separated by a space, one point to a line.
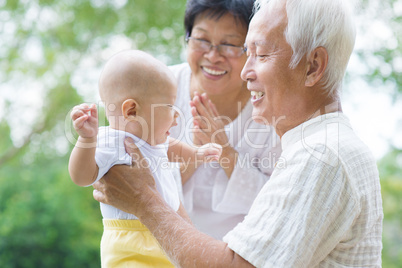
128 243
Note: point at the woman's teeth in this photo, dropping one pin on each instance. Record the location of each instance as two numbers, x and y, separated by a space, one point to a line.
255 95
213 72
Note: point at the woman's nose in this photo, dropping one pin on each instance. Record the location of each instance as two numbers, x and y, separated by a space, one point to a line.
213 54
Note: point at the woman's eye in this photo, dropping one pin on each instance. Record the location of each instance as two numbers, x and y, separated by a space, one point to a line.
229 45
201 39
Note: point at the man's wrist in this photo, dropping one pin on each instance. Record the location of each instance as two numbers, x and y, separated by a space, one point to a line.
153 203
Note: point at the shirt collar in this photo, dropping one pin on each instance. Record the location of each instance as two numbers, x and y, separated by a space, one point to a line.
312 126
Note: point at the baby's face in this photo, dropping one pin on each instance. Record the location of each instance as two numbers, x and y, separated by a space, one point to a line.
159 114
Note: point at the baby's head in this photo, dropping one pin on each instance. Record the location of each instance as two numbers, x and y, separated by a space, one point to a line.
139 92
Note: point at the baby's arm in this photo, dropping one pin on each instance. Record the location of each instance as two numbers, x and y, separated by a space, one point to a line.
82 166
181 152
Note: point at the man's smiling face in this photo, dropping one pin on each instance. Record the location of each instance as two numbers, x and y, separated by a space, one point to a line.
279 94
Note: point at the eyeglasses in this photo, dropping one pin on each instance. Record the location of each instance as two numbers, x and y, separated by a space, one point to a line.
229 51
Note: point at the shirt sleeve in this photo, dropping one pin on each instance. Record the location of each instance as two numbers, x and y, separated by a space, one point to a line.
109 153
305 210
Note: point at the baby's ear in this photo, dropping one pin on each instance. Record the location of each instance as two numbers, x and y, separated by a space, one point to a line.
129 109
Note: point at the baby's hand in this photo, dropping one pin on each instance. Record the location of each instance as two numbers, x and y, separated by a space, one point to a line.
85 120
209 152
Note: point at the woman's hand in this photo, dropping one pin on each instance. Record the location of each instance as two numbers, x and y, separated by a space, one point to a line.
209 127
128 188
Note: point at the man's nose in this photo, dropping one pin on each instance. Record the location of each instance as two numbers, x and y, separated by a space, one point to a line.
248 73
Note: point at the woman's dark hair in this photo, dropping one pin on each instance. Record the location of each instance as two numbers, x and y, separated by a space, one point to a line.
242 10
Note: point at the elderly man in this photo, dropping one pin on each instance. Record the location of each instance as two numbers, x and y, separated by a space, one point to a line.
322 206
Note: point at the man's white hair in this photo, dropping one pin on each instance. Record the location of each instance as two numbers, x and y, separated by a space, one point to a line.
320 23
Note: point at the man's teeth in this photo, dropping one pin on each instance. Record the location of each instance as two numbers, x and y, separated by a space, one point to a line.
257 94
213 72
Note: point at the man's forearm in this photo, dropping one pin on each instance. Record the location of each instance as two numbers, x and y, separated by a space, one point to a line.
184 244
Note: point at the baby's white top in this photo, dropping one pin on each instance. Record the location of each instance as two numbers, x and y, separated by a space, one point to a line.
110 151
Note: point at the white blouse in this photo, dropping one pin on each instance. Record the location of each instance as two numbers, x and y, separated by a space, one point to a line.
322 206
215 203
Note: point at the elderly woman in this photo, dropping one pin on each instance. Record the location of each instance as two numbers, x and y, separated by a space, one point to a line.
218 196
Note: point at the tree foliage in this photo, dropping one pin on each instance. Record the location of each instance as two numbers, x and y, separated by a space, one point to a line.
47 221
382 56
390 168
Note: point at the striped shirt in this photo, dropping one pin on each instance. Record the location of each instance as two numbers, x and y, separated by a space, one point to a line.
322 206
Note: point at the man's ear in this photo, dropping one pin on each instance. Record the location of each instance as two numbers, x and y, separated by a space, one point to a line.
317 64
129 109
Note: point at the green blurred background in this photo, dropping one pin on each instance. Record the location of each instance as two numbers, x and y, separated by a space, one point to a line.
51 55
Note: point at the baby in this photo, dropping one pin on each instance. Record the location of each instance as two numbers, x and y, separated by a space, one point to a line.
139 93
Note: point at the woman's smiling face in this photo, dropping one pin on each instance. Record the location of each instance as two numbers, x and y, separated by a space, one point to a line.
211 72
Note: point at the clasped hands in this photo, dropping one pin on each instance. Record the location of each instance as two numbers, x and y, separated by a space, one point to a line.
209 126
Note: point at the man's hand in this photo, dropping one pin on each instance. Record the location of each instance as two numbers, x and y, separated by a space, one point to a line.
128 188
